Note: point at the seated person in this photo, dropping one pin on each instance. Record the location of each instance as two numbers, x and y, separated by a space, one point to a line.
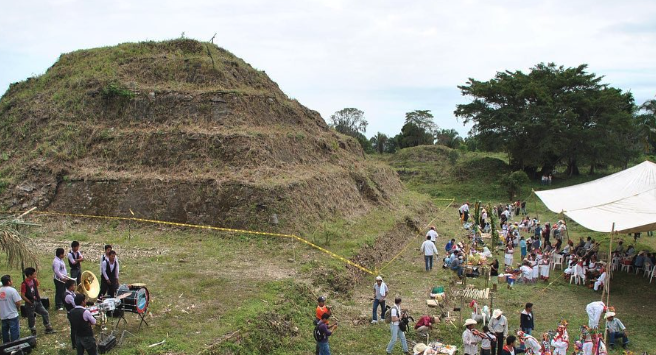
639 260
527 272
456 265
600 281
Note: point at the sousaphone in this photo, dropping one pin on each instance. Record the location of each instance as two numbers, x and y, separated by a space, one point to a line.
89 286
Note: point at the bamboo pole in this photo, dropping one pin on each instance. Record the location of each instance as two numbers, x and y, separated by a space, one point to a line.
606 290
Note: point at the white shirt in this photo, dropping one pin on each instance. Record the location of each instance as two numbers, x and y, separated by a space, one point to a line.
499 325
8 298
396 313
433 235
428 248
59 269
112 267
464 208
470 342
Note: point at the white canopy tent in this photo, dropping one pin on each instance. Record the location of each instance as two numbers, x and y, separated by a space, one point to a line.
627 198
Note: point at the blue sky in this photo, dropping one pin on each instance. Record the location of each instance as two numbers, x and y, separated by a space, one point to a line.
383 57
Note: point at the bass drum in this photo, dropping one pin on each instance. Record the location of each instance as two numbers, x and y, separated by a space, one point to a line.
136 301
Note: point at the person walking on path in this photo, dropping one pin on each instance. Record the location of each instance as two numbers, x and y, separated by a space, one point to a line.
432 234
10 301
526 319
429 250
324 331
395 329
380 292
499 326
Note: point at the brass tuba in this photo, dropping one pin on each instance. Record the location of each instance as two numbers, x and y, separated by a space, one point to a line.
89 286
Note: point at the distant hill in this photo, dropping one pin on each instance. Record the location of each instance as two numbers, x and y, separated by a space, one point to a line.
444 172
178 130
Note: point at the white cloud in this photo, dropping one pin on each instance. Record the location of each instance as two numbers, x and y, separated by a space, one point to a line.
384 57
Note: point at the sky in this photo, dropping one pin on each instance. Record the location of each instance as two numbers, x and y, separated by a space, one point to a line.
383 57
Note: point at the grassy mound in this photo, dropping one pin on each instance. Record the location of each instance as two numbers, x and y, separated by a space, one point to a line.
178 130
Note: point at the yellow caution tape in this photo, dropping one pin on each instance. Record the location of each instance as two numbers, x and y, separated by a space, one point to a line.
229 230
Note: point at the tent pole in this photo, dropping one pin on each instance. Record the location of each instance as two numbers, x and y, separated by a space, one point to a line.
609 270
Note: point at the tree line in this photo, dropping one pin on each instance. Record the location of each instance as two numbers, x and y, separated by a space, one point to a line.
549 116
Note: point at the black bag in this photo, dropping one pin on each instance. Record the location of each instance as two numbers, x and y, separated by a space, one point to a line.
318 335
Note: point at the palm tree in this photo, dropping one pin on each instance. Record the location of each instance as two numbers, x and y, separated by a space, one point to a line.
17 247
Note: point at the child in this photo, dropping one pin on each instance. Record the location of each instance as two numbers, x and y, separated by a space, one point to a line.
489 341
522 247
30 294
69 303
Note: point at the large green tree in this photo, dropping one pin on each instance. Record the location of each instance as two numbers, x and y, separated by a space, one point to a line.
551 115
349 121
422 119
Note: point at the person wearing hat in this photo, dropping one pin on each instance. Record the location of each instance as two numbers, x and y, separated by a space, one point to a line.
380 292
560 342
470 338
530 343
615 329
395 329
321 308
432 234
499 326
594 310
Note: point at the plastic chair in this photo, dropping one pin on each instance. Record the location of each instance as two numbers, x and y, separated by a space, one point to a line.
653 272
648 268
627 267
557 260
576 278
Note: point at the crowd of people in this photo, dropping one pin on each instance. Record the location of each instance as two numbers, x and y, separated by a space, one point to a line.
66 284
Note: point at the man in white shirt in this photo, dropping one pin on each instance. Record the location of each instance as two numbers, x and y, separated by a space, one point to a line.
10 301
59 269
110 271
615 330
464 212
432 233
380 292
594 310
499 326
395 329
429 250
469 339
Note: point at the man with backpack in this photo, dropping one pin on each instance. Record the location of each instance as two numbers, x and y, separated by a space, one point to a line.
395 321
321 333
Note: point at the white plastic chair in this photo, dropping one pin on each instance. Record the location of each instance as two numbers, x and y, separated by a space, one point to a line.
648 268
557 260
653 272
627 267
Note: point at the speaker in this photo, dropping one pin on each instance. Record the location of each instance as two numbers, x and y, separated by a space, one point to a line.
20 346
107 344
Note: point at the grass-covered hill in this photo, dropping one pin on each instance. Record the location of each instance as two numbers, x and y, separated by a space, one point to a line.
179 130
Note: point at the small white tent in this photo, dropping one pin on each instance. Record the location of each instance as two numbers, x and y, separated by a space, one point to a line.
627 198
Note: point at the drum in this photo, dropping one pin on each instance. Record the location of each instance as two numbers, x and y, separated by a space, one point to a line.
136 301
109 304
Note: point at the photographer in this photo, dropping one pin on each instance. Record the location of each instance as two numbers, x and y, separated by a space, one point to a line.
321 333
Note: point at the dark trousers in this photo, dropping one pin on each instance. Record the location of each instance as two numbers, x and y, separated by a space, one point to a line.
382 309
60 293
76 274
612 336
73 342
10 330
87 343
486 351
498 350
36 307
108 287
428 259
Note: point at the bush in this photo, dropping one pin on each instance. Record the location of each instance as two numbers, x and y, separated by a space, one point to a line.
513 183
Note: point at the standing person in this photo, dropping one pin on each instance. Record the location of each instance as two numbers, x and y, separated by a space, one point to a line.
321 308
395 329
522 247
74 260
499 326
323 331
489 341
108 249
432 234
429 250
526 319
69 303
509 348
508 254
380 292
464 212
494 274
82 320
537 232
110 272
30 294
594 310
10 301
59 269
470 338
560 342
615 330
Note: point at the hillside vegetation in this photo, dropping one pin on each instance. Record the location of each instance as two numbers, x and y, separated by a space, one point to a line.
181 131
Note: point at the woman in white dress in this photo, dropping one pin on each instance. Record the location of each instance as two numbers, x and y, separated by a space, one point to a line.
508 259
